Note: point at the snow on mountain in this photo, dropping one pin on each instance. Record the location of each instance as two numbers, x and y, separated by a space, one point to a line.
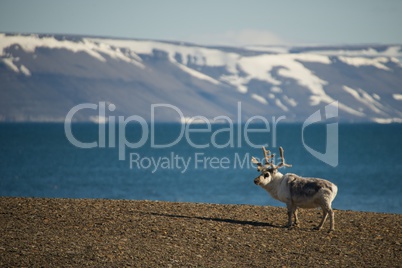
397 96
31 43
367 51
43 76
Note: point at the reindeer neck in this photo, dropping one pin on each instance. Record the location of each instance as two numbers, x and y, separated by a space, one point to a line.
273 185
278 176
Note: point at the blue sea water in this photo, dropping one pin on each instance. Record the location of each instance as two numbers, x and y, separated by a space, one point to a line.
38 160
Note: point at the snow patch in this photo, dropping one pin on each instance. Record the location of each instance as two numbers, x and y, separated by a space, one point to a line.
197 74
25 70
376 96
194 120
350 110
291 101
10 64
365 98
94 49
98 119
370 101
397 97
359 61
314 100
386 120
280 105
352 92
391 51
236 81
201 56
276 89
312 58
260 67
259 98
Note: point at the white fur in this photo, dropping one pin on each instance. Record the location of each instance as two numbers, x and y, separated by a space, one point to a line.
279 186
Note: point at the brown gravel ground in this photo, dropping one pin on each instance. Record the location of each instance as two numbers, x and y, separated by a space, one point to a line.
116 233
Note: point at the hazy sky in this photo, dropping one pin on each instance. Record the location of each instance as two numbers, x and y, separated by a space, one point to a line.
232 22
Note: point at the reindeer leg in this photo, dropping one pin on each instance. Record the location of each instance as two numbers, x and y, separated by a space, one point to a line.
324 217
289 225
291 212
296 219
331 220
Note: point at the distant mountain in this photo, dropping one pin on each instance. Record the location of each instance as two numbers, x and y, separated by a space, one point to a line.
42 77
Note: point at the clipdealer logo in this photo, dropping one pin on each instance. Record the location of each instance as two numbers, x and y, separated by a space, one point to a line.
242 129
331 154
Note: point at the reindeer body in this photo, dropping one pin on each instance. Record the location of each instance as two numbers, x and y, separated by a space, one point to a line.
295 191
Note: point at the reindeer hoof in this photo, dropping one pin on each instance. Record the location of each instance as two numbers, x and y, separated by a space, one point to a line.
317 228
291 226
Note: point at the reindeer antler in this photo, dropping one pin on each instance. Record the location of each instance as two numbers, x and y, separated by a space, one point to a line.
282 164
269 160
267 157
255 161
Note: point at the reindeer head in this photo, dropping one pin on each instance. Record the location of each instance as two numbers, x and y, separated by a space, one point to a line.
269 169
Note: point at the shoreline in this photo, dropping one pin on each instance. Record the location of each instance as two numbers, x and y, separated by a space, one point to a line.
115 233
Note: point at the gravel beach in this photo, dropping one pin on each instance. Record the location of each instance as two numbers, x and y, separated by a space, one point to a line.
38 232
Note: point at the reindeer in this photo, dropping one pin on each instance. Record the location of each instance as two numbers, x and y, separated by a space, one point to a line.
295 191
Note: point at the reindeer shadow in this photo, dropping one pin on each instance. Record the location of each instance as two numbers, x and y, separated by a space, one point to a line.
231 221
